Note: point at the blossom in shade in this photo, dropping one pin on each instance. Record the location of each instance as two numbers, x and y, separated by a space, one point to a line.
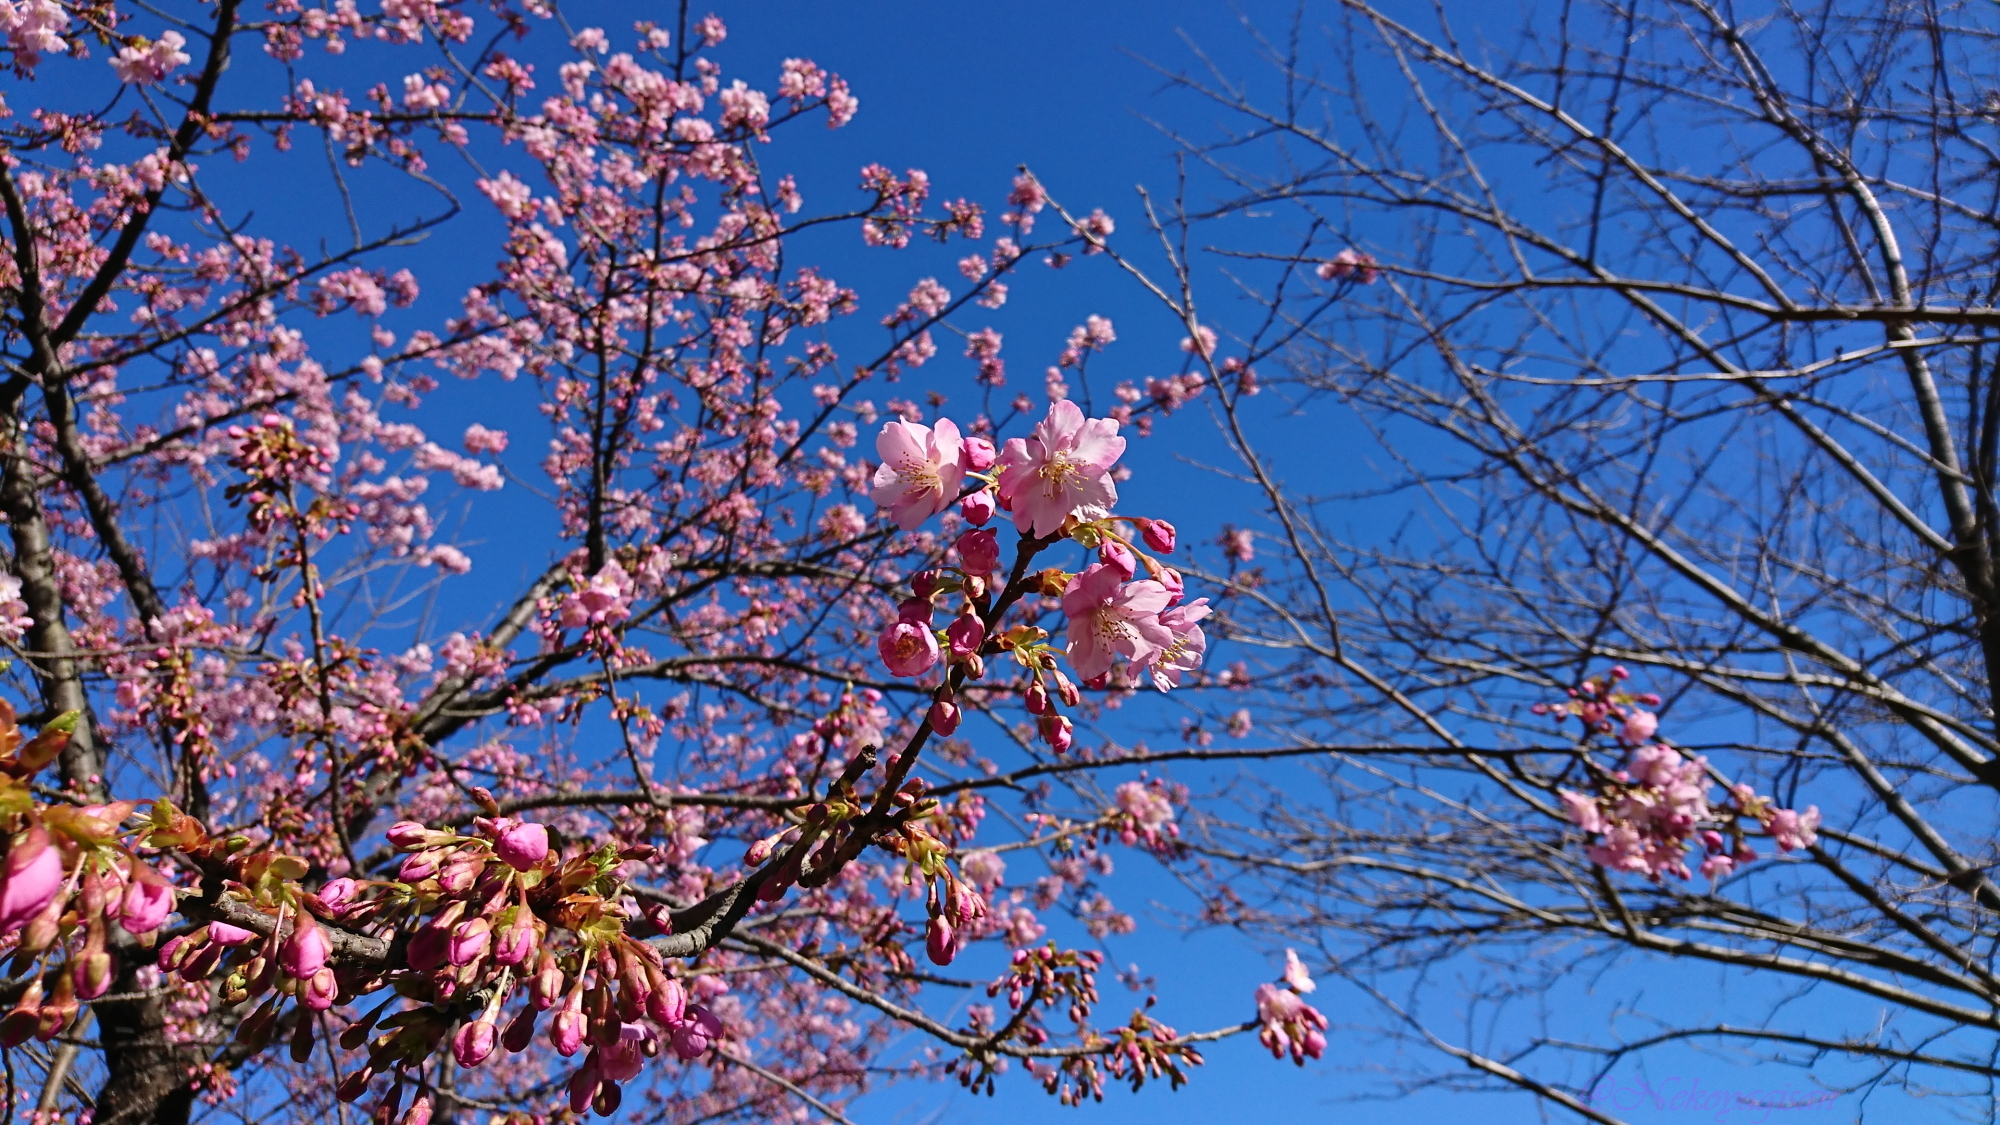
1063 470
1184 653
908 648
920 471
320 992
699 1028
1109 618
667 1004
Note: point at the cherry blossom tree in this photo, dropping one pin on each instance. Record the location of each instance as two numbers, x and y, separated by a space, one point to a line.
306 804
1640 630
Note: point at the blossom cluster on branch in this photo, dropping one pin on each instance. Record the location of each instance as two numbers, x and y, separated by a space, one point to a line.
1645 814
314 771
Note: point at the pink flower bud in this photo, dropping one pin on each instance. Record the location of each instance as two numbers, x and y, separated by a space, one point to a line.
938 941
354 1085
428 948
668 1003
521 845
1058 732
419 1112
147 902
546 988
305 952
222 933
520 1032
567 1030
176 953
944 716
469 941
924 583
408 834
94 970
975 667
474 1042
908 650
979 551
1118 557
1159 535
320 991
337 894
977 508
979 454
1037 698
420 866
34 874
583 1086
517 943
965 635
1066 690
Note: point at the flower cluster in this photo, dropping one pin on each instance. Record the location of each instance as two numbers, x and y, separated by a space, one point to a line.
1645 813
70 876
490 917
1290 1025
1056 483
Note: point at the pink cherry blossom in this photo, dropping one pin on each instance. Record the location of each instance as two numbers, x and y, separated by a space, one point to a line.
1109 618
1290 1024
908 649
1350 263
1182 654
1639 726
1794 831
1064 469
1295 973
920 471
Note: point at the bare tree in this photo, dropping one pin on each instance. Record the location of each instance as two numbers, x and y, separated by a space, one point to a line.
1681 357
